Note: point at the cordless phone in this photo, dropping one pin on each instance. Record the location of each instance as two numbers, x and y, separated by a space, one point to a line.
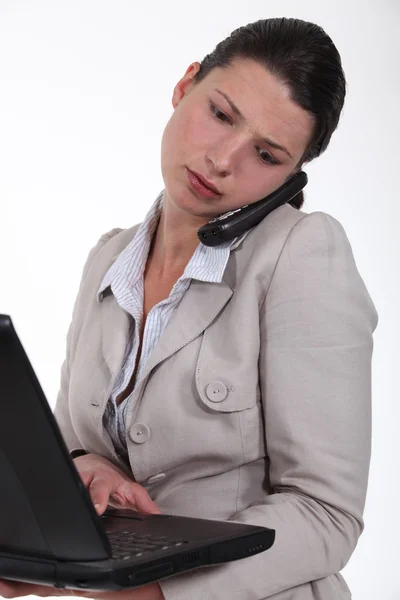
235 222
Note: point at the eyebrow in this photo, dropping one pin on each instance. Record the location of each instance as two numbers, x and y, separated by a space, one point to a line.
242 117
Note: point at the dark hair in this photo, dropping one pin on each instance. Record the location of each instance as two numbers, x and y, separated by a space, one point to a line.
304 58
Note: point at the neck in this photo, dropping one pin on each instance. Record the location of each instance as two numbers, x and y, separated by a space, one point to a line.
174 241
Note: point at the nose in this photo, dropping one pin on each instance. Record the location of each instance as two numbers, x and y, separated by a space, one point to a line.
223 156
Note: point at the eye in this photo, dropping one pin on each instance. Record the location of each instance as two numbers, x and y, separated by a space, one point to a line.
268 158
217 113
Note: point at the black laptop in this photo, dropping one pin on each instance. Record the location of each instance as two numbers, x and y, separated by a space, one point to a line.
50 532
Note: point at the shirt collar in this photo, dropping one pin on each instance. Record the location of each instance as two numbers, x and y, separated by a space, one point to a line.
146 231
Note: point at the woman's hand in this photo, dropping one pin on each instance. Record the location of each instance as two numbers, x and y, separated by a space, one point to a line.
109 485
16 589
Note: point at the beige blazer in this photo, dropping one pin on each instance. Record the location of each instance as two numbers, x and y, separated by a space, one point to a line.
255 405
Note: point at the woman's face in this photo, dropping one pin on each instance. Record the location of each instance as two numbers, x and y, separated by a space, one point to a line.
226 149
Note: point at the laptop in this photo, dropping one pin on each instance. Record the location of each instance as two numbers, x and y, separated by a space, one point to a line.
50 532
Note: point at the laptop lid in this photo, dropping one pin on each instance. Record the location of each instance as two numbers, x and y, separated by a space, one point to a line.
36 518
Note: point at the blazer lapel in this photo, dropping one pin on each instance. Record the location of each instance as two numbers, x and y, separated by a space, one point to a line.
115 323
198 308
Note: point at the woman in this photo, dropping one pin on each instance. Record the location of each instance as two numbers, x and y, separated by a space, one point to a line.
231 382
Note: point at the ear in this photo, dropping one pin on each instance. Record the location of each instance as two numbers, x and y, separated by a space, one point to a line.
185 84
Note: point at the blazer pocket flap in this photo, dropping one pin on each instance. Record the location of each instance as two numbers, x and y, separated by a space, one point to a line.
223 395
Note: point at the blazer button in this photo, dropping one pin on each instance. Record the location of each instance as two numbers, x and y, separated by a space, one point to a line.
216 391
139 433
155 478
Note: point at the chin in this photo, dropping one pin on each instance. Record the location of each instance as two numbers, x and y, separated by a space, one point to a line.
185 199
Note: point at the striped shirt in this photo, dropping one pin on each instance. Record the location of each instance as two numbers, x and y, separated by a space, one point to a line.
126 279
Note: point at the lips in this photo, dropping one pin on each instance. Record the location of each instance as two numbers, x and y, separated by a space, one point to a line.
206 182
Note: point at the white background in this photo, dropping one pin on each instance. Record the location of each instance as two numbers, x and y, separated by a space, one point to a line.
85 93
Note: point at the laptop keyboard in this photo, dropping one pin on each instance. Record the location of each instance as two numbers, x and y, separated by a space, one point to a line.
127 544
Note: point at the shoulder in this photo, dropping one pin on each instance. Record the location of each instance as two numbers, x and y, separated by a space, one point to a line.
117 238
321 232
108 246
286 223
287 226
291 233
98 261
291 245
299 222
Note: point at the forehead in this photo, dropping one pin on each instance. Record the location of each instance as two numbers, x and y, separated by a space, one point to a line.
265 103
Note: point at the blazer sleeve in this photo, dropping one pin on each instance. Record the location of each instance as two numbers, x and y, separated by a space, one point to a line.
61 411
316 327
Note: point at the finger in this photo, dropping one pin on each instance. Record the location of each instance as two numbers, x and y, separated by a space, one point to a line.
120 500
15 589
9 589
99 492
143 501
116 504
86 477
